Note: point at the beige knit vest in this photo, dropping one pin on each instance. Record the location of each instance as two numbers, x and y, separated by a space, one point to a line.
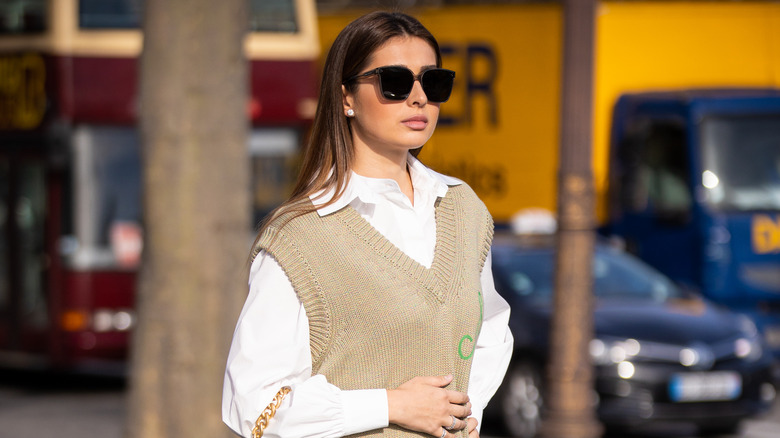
377 318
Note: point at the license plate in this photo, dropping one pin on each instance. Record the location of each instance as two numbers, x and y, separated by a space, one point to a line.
705 386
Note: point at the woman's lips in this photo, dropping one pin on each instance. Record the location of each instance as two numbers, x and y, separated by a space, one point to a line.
416 122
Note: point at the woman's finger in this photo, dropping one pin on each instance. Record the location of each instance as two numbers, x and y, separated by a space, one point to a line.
461 411
437 381
458 398
455 424
471 427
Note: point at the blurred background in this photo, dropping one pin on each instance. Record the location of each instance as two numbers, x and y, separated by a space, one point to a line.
686 175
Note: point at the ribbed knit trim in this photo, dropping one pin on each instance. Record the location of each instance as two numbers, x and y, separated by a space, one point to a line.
316 306
440 276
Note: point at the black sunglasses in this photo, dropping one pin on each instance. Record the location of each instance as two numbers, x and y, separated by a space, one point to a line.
396 82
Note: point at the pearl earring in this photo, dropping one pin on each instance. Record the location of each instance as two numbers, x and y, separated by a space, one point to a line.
350 112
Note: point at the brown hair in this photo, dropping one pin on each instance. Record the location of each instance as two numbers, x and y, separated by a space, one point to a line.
330 144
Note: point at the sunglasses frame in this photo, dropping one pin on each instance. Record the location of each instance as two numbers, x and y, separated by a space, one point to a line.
401 97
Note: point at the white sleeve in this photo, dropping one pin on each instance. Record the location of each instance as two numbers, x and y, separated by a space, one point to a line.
270 349
494 345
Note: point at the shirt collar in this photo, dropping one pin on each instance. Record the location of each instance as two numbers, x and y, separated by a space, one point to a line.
368 189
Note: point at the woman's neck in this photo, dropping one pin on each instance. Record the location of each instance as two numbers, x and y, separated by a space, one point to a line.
378 166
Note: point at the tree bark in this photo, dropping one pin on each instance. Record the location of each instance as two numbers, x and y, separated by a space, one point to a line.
193 100
570 402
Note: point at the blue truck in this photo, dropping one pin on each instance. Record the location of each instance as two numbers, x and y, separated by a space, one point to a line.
694 184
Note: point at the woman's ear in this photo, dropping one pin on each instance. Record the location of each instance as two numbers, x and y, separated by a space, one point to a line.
347 100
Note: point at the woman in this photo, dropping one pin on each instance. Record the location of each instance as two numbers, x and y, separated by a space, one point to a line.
371 293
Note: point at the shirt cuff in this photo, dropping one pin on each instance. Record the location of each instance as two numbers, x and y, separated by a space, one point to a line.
364 409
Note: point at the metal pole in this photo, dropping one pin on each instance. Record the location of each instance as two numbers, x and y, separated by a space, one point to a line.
570 399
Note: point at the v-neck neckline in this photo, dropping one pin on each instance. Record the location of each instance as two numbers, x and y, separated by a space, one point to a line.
436 278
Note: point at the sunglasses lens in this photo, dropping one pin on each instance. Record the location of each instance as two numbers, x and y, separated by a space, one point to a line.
437 84
396 82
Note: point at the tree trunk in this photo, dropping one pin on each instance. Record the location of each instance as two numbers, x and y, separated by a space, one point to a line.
193 100
570 402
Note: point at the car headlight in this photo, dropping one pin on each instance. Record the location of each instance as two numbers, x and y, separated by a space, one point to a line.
614 351
748 346
598 351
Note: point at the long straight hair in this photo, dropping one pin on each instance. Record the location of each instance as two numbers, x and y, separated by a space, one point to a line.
329 154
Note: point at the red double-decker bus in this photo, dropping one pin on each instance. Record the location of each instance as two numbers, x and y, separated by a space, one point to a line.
70 210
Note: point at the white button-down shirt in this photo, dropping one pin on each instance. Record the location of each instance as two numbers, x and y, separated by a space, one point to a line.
270 345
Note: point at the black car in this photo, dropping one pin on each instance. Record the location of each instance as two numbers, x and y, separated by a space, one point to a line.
661 354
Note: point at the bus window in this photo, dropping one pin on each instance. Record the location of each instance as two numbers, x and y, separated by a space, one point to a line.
22 16
110 14
265 15
274 156
273 16
30 213
22 256
107 213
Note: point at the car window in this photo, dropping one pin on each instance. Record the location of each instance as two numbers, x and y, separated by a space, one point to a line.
529 273
621 276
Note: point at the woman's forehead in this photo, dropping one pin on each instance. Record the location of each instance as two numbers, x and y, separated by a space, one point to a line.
403 50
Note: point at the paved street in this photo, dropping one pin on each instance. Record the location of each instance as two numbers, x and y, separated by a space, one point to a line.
43 406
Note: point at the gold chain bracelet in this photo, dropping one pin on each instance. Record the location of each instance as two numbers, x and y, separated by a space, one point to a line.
268 412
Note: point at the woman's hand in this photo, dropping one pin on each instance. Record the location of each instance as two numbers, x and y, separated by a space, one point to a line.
472 427
423 405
